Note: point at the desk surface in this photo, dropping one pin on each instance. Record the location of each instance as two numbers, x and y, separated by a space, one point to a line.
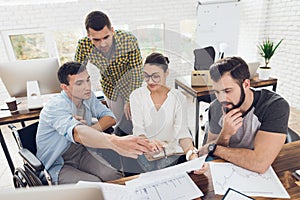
23 114
185 83
286 162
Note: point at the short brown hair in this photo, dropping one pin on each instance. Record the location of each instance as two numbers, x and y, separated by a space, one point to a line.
237 67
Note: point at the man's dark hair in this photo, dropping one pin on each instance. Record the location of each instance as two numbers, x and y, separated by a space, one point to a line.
236 66
69 68
158 59
97 20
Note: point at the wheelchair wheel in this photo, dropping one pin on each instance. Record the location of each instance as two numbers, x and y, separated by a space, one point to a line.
34 179
21 179
18 183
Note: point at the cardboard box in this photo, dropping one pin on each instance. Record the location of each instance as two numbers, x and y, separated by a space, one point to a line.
201 78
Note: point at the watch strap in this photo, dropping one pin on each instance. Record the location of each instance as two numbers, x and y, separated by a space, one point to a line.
212 151
190 152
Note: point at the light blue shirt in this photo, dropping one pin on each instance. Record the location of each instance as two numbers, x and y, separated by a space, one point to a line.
55 130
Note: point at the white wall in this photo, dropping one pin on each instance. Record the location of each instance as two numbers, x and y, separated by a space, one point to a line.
259 19
275 19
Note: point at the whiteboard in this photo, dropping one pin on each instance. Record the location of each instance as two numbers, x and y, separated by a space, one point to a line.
219 23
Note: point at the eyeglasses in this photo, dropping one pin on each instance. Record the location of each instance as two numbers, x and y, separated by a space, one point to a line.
155 77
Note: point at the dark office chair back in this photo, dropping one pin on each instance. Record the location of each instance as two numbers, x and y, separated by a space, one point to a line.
291 136
27 136
204 58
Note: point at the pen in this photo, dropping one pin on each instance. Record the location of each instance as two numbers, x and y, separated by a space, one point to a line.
164 149
296 176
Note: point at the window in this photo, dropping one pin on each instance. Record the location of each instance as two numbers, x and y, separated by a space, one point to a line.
66 42
29 46
26 44
42 43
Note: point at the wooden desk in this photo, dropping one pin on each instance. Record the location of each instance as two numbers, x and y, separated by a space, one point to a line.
21 116
286 162
204 93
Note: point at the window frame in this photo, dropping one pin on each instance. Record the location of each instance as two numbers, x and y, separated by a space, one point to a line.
47 36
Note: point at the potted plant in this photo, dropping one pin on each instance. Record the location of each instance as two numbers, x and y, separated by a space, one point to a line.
267 50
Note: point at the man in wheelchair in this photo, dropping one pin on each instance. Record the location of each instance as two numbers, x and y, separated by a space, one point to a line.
66 138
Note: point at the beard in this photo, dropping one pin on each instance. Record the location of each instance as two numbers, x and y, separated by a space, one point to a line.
234 106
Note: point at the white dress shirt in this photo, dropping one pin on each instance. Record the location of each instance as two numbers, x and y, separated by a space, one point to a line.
168 124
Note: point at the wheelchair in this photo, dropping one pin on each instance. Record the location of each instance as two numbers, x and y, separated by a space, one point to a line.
33 172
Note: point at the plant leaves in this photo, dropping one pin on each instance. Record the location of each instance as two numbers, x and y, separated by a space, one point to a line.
267 49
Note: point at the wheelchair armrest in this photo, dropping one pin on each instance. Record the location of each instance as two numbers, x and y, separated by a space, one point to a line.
31 159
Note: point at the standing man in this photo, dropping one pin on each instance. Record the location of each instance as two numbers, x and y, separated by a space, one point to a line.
247 127
66 132
118 57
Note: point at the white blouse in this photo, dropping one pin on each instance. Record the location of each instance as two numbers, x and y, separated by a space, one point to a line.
168 124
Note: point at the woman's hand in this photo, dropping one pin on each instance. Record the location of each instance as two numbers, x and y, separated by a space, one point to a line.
158 145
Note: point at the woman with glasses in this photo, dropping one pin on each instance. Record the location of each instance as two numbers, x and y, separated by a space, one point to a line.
159 114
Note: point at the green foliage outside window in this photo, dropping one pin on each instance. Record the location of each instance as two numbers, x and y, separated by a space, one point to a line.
29 46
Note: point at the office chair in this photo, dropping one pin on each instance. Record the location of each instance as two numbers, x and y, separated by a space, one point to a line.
204 58
33 172
291 136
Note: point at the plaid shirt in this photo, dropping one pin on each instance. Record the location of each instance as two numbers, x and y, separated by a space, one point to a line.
121 74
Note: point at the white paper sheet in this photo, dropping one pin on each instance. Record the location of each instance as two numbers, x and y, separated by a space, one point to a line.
227 175
168 183
175 187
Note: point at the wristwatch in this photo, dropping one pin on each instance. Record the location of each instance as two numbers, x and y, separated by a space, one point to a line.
211 149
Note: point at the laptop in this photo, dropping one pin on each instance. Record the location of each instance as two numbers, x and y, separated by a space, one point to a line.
253 66
58 192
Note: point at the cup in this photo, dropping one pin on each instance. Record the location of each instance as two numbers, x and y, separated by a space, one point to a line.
12 104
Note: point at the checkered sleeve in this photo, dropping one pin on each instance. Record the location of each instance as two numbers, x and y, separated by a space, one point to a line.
135 69
82 50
